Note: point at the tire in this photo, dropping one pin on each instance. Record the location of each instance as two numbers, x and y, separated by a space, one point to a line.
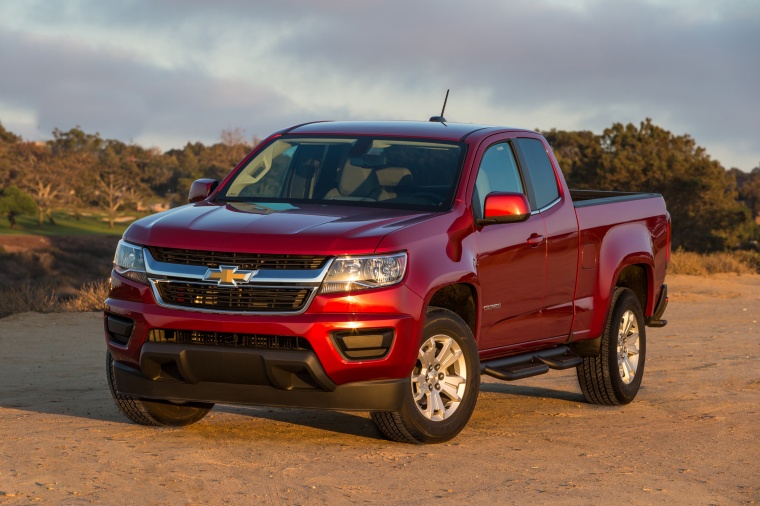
448 362
614 377
157 413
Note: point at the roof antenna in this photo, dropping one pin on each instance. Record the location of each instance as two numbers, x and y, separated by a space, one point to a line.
441 119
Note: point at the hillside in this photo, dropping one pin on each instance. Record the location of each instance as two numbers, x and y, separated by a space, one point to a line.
62 263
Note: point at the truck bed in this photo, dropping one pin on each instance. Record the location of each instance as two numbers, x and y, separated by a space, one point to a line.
607 220
585 198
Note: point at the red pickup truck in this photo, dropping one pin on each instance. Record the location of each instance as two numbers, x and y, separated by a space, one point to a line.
383 267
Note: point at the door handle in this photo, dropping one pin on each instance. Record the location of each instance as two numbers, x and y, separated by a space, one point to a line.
535 240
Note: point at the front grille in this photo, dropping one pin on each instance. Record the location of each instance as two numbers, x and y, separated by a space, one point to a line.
239 298
228 339
244 261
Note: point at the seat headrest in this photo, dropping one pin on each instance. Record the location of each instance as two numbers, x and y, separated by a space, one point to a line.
394 176
357 181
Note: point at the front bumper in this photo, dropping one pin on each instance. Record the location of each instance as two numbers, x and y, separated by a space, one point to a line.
258 377
319 376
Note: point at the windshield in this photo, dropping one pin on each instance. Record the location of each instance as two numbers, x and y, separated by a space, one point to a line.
365 171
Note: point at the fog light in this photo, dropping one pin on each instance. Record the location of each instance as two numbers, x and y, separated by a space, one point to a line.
363 344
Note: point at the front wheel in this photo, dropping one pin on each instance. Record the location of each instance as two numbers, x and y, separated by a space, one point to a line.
443 386
614 377
159 413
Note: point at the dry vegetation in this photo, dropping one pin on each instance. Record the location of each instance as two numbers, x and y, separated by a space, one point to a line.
705 264
43 297
52 274
39 298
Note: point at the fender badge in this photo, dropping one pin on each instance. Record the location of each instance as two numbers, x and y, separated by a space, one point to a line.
491 306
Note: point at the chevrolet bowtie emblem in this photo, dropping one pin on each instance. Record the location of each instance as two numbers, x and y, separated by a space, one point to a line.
228 275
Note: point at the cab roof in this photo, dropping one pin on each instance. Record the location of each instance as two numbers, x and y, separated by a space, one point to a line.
420 129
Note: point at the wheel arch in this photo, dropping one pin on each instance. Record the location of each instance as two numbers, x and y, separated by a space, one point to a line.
626 259
636 278
459 298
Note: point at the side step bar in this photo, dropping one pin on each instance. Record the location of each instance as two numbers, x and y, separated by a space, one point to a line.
516 372
530 364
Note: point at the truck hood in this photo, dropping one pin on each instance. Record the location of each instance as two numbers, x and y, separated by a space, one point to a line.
272 228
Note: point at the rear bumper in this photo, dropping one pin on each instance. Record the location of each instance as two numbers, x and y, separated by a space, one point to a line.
256 377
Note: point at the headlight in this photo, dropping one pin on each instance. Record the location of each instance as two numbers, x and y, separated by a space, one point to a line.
130 262
348 274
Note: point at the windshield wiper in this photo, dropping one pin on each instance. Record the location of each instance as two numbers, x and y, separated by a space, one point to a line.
249 207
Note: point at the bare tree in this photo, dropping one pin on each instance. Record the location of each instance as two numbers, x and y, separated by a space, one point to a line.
116 184
233 137
49 179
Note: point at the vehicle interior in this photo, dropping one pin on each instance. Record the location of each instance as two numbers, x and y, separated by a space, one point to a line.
363 171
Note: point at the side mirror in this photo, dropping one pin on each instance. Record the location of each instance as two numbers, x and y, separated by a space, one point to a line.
505 207
201 189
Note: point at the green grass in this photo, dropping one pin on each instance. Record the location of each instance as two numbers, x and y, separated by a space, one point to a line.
66 224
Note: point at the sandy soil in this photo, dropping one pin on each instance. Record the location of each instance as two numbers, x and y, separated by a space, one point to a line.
688 438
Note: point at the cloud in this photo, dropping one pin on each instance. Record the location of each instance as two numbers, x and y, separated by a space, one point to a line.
185 70
114 93
602 63
530 54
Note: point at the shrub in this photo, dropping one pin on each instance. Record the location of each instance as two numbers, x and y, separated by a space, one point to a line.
28 296
91 297
41 298
704 264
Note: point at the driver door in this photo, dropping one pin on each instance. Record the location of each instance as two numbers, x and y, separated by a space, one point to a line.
511 257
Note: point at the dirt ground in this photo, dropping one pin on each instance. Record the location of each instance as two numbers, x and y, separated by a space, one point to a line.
688 438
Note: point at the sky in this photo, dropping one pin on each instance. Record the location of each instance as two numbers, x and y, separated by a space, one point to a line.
166 72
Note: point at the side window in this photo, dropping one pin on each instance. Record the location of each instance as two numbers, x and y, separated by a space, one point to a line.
540 169
497 173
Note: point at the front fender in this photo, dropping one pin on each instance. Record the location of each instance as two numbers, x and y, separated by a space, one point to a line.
442 251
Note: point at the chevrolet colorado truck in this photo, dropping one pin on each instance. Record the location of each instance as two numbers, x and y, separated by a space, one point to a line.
384 267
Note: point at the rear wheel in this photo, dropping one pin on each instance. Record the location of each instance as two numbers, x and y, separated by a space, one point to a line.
614 377
161 413
443 386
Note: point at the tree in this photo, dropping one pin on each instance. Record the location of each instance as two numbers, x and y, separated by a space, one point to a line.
197 161
748 186
700 195
49 179
115 182
7 137
576 152
13 202
75 140
232 137
7 141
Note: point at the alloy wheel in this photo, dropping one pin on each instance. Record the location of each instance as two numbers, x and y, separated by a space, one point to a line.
439 378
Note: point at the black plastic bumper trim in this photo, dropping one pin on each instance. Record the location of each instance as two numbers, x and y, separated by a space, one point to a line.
381 395
190 363
363 344
119 329
656 319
